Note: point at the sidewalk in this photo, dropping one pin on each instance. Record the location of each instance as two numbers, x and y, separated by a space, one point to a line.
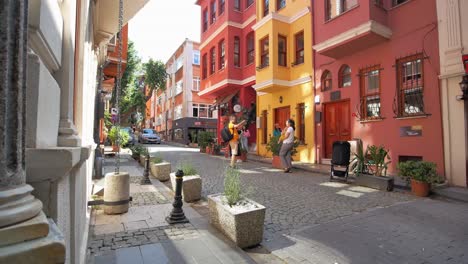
143 236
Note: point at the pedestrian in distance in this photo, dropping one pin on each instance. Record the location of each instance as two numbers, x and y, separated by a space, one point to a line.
234 142
287 146
244 138
277 130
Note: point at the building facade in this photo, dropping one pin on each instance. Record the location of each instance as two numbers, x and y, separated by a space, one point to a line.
284 72
376 79
453 45
228 60
179 112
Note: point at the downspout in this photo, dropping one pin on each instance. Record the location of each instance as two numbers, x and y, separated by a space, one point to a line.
313 82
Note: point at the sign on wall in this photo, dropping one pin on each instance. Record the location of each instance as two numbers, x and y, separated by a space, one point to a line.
411 131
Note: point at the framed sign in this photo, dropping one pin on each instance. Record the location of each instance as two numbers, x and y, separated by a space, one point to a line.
411 131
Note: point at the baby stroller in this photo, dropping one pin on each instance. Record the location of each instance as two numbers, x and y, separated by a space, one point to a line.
340 160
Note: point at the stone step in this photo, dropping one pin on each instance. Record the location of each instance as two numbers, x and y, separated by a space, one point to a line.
455 193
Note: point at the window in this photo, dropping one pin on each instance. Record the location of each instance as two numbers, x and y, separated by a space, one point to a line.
179 87
212 60
398 2
250 48
299 41
201 110
204 66
266 7
410 80
221 54
237 5
205 20
280 4
237 51
264 127
178 112
301 122
326 81
196 84
282 49
369 82
213 12
337 7
221 6
264 52
344 76
248 3
196 57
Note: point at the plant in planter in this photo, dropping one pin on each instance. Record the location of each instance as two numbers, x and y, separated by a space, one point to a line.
204 140
160 168
370 167
143 153
421 174
136 151
216 149
120 134
274 147
192 185
238 217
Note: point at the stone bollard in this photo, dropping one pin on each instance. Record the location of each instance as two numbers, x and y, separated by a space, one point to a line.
116 193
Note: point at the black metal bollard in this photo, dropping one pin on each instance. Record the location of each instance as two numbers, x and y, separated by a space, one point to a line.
146 179
177 215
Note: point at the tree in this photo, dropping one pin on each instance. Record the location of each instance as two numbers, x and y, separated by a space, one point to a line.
155 76
129 76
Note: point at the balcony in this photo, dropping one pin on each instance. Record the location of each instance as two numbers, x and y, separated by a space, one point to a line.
355 29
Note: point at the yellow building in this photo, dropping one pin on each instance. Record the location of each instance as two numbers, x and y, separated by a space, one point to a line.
284 81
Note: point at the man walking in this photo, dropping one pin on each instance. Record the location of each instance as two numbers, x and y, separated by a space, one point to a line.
234 142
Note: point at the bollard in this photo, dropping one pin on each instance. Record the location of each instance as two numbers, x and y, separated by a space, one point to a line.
146 179
177 215
116 193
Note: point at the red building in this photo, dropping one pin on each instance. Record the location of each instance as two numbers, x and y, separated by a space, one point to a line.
228 59
377 68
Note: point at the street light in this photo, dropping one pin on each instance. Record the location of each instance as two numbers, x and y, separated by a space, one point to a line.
464 88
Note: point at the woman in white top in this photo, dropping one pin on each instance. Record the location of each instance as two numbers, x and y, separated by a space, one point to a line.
286 148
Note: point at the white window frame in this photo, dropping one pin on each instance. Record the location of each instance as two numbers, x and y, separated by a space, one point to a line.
179 87
196 57
196 84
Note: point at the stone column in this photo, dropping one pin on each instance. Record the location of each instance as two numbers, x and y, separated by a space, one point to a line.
16 202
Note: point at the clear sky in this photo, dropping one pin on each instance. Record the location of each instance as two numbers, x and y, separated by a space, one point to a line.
161 27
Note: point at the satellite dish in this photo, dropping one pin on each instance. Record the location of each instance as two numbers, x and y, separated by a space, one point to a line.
237 108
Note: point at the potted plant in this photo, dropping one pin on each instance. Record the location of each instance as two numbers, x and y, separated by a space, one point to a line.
274 147
370 167
136 151
238 217
192 185
160 168
421 174
120 134
216 149
204 141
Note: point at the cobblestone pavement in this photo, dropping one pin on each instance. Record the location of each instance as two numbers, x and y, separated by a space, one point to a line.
293 200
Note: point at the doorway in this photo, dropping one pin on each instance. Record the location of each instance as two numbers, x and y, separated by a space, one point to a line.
337 125
282 114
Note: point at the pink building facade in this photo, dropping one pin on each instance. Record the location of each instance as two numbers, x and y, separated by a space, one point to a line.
376 77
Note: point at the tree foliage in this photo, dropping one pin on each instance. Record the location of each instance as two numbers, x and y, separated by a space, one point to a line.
155 76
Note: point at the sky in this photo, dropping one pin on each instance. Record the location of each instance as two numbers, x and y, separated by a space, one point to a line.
161 27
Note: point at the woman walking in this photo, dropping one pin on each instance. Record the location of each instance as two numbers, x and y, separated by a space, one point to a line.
286 148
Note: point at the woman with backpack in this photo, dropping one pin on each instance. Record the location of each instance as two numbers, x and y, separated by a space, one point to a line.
288 143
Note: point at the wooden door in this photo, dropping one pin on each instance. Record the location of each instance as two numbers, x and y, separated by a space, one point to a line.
282 114
337 126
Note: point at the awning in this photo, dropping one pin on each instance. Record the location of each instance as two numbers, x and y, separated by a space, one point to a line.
226 99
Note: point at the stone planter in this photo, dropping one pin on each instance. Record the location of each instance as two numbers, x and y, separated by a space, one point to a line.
382 183
277 162
191 187
242 224
142 160
161 171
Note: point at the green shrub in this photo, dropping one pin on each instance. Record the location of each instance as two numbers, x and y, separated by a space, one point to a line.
423 171
136 150
274 147
232 186
156 160
187 168
114 134
205 139
378 157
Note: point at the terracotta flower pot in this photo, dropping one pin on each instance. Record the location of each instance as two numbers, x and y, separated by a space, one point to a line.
419 188
115 148
208 150
277 162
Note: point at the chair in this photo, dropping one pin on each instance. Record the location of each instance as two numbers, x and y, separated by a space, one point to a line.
340 159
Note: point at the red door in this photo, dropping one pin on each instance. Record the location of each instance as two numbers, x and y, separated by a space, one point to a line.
282 114
337 124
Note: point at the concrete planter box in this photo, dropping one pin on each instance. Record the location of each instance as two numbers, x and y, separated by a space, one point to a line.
191 187
376 182
161 171
242 224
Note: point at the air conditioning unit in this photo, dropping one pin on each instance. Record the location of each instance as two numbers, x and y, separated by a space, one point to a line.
259 122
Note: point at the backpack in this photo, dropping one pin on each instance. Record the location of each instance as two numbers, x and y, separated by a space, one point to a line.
226 134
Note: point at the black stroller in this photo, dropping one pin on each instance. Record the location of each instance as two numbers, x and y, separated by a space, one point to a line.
340 160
